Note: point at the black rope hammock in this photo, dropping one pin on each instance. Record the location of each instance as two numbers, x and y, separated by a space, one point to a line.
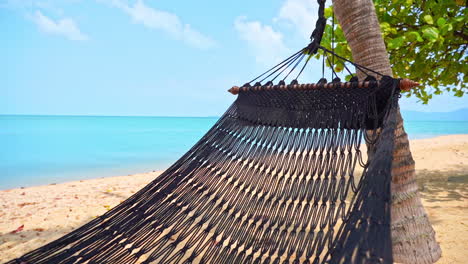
280 178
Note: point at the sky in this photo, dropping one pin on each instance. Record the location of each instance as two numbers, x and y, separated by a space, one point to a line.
149 58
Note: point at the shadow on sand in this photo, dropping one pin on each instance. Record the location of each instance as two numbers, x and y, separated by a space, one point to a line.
440 186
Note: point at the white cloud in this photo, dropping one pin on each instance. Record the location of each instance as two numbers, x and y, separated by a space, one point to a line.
302 14
265 43
64 27
164 21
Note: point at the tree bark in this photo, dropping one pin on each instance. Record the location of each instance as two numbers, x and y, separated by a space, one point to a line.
413 237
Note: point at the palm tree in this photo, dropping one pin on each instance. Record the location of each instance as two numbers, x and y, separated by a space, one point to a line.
412 234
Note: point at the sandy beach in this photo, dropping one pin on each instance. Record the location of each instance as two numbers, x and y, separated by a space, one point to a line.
33 216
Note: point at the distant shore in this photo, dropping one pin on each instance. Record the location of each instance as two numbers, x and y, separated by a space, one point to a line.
33 216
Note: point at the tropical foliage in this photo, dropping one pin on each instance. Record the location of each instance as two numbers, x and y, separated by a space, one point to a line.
427 41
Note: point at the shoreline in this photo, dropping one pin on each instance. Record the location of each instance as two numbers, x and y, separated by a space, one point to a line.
32 216
456 137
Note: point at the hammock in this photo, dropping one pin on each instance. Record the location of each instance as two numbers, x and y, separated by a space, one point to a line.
280 178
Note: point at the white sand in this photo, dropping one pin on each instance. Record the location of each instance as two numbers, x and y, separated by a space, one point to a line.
48 212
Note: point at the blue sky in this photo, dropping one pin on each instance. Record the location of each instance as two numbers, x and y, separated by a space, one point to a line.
142 57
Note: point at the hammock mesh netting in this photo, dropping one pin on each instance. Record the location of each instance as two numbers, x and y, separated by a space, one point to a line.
280 178
274 181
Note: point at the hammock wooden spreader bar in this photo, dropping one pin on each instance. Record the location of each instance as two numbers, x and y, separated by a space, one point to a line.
405 85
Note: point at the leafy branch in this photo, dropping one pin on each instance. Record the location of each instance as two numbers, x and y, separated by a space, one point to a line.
427 41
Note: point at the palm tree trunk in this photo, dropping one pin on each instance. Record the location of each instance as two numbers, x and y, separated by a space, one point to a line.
412 234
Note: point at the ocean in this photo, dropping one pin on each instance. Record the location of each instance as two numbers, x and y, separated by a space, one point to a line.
37 150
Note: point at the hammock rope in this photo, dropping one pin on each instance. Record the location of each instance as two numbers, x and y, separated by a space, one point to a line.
280 178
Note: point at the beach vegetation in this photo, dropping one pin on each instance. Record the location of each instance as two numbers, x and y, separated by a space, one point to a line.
427 41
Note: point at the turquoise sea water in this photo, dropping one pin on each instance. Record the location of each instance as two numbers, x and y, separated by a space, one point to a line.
47 149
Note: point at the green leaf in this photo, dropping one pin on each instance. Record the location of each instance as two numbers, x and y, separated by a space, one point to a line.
339 35
339 49
430 33
414 36
458 93
428 19
384 26
396 42
441 21
328 12
445 29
